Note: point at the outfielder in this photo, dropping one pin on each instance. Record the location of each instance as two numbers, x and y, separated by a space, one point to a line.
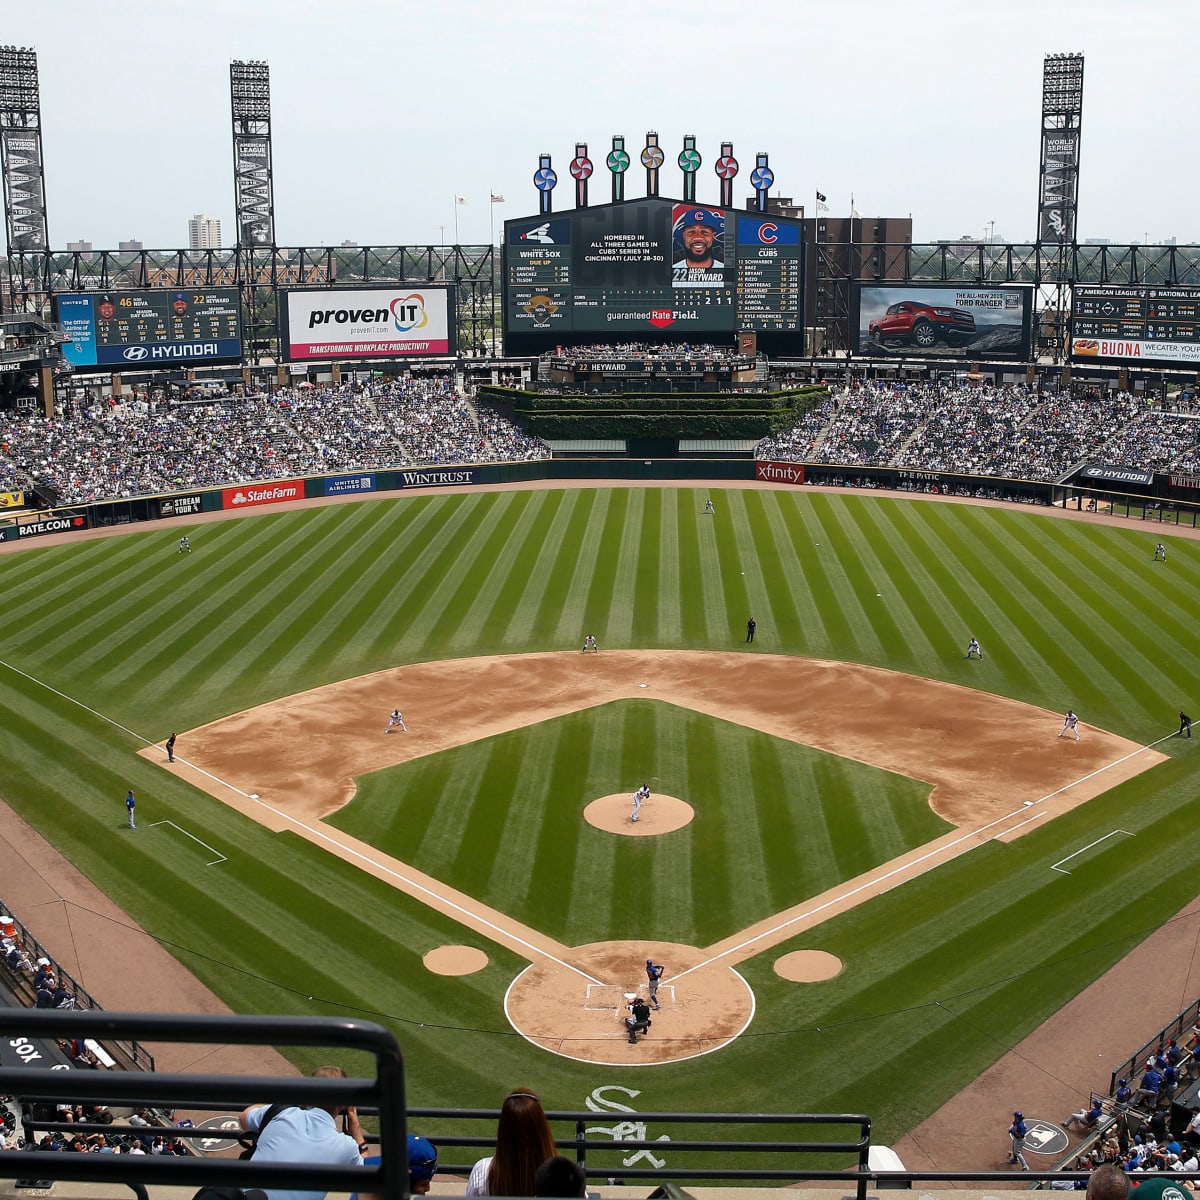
1070 724
973 648
1160 553
396 721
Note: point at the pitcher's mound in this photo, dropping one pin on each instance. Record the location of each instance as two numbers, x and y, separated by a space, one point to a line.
659 814
808 966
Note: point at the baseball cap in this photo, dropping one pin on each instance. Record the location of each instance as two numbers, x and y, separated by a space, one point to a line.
422 1158
1019 1115
1160 1189
702 216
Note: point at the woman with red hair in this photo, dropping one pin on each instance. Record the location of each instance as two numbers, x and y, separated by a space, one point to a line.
523 1143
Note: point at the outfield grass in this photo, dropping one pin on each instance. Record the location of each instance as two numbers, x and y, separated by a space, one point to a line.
943 975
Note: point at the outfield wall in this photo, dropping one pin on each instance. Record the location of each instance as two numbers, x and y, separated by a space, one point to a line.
1159 508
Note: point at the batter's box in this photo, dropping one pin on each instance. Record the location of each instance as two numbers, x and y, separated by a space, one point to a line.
604 997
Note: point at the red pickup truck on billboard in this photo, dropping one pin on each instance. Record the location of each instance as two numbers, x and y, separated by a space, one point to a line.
923 325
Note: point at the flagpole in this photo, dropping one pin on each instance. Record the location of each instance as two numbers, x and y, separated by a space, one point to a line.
456 217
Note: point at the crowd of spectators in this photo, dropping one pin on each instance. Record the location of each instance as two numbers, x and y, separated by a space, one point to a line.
645 351
1010 431
99 451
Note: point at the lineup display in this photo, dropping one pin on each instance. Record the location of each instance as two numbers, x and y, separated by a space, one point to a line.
652 265
907 321
347 324
151 328
1138 324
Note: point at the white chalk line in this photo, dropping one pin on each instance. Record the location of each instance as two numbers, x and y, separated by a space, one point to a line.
954 846
1084 849
211 849
314 834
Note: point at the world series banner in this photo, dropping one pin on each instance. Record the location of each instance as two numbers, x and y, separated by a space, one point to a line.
1059 184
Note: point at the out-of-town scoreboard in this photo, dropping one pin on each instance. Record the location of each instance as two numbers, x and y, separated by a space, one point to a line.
1136 324
151 328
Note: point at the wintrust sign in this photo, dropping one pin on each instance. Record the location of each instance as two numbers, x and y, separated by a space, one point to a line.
264 493
356 323
779 472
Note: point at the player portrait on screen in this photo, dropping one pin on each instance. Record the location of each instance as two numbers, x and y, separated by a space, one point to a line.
697 246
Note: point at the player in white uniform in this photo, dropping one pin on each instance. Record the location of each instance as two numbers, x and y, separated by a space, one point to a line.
709 508
185 547
589 643
639 798
1071 724
973 648
1160 552
396 721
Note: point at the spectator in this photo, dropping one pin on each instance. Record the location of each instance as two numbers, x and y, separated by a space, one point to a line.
305 1135
559 1176
523 1143
1108 1182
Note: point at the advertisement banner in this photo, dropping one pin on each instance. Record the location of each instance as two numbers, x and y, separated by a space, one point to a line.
263 493
1111 474
437 478
942 322
357 323
51 525
181 506
767 471
345 485
1135 350
12 499
151 328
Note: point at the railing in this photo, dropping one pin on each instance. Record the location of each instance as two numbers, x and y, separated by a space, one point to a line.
383 1094
131 1055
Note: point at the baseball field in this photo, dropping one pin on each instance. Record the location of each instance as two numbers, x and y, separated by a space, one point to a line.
869 864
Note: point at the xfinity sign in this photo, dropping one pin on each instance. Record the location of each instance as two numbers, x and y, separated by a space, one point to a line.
351 324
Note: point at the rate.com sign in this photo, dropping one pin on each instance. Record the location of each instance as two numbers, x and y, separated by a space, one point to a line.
346 324
263 493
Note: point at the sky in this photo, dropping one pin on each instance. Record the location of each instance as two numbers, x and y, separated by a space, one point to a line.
383 112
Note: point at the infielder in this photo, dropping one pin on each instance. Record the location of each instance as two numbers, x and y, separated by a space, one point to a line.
973 648
396 721
589 643
654 974
1070 724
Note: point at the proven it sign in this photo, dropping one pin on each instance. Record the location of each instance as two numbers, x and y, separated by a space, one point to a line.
345 324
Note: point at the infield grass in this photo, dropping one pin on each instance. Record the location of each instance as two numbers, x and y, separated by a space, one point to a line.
942 975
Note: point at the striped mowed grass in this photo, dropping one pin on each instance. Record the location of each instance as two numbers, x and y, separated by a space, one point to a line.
112 641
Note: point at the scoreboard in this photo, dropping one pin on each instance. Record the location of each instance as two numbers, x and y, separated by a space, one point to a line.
155 328
1136 324
652 269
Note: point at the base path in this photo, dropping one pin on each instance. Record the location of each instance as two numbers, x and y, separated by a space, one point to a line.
995 767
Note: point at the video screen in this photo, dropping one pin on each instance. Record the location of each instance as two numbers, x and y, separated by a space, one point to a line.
181 326
957 323
654 269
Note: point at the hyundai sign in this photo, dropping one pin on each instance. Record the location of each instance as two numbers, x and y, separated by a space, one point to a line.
348 324
143 330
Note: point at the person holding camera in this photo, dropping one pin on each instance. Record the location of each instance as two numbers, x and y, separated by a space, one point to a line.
295 1134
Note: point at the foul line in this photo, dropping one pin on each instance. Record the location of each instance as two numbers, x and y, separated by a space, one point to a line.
1083 850
211 849
314 834
941 850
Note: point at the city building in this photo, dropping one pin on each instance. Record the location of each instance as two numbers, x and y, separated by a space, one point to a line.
130 246
80 245
204 232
